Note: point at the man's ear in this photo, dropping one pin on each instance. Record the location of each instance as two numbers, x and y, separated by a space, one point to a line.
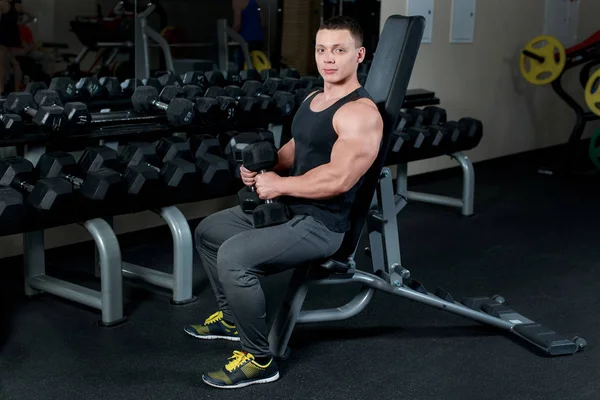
362 52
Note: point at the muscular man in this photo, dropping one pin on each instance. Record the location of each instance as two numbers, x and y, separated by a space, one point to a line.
337 134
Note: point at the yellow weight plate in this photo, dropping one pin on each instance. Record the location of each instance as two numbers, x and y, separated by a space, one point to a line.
543 60
592 92
260 61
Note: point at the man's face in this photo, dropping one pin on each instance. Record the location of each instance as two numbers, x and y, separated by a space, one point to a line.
337 55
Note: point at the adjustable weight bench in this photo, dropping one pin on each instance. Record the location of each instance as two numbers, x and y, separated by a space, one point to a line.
375 207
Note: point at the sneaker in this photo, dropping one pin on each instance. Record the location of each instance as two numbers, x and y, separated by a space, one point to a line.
241 371
214 328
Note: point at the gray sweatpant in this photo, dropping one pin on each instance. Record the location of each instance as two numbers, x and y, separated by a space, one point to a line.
235 254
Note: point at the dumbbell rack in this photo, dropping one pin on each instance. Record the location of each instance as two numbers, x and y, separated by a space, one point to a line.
180 281
465 203
109 266
109 300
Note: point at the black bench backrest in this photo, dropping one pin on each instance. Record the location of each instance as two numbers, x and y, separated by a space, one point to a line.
387 83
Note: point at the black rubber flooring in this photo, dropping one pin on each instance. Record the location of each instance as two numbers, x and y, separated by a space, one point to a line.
534 240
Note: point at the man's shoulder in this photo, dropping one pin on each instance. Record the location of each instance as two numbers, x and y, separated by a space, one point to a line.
359 111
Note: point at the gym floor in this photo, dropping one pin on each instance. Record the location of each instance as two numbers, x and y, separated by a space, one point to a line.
533 240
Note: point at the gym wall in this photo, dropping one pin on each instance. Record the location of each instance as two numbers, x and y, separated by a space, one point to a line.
482 79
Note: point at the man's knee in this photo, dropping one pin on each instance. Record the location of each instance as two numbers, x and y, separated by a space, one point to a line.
233 266
207 233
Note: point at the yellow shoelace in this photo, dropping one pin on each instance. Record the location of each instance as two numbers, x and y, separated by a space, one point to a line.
237 360
216 317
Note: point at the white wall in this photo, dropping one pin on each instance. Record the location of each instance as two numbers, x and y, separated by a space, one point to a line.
482 79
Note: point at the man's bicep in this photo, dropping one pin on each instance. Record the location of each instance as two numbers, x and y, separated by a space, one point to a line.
356 149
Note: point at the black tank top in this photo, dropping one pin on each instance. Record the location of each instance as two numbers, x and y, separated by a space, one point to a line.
314 137
9 27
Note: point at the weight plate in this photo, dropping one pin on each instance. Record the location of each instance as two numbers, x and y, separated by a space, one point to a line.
594 150
542 60
592 92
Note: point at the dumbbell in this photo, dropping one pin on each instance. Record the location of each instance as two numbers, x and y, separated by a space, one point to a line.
206 109
88 88
195 78
213 169
33 87
49 118
110 87
175 173
247 106
11 125
227 105
273 97
179 112
215 78
169 79
76 116
417 126
249 74
170 92
11 204
238 142
128 87
473 129
154 82
99 185
65 88
289 73
312 82
44 194
260 157
141 180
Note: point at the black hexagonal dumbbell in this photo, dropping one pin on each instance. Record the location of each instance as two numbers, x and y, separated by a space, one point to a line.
195 78
213 169
169 79
110 87
49 118
11 204
179 112
102 184
76 116
33 87
11 125
206 109
215 78
247 106
128 87
227 105
44 194
261 157
65 88
140 180
170 92
176 173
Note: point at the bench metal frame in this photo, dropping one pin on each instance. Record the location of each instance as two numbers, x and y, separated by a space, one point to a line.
389 275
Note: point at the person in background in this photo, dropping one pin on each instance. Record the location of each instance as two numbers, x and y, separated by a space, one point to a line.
248 23
29 48
10 40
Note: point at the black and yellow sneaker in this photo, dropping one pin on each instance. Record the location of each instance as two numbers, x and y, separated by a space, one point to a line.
214 328
242 370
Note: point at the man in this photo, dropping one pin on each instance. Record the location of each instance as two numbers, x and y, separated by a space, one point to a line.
337 134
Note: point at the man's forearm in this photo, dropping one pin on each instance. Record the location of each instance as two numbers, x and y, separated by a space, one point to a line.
319 183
